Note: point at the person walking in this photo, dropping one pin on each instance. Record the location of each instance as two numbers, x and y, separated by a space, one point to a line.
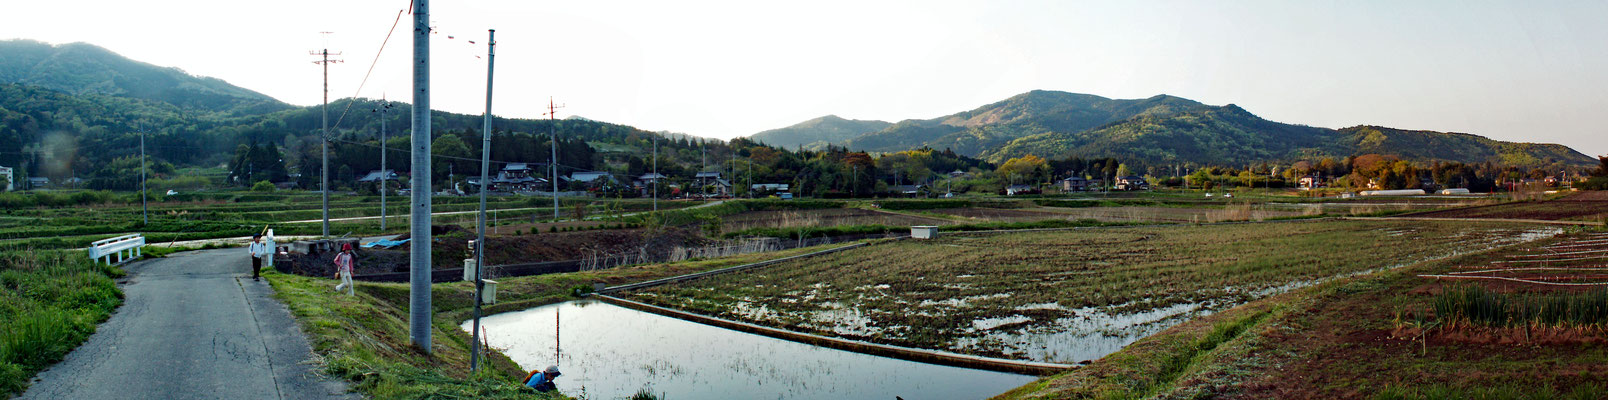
258 250
343 270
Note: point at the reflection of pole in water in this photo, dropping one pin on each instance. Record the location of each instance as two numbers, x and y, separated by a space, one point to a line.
555 335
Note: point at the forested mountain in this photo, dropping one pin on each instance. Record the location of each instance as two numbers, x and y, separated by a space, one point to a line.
819 132
1167 129
81 69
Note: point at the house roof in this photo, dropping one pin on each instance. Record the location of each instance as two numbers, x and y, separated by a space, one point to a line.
906 188
1075 179
770 186
651 175
590 176
377 175
516 167
707 174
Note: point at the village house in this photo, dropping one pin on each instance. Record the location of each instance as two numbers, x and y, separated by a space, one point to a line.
1074 184
908 190
1132 182
10 178
1014 190
36 183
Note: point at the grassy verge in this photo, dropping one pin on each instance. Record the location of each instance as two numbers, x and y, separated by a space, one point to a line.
50 302
365 340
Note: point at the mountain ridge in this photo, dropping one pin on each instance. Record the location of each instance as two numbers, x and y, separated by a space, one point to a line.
1171 129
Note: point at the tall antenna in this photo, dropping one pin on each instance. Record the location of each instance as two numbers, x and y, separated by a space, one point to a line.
323 179
552 129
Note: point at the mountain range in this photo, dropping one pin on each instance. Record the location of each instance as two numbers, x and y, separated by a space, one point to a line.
1157 130
70 108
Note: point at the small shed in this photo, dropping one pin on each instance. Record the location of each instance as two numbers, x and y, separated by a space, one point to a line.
924 232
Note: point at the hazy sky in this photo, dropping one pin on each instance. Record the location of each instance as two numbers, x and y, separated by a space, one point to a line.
1523 71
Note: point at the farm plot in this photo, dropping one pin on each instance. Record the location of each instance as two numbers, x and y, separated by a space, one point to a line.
1583 206
1065 296
1126 214
823 218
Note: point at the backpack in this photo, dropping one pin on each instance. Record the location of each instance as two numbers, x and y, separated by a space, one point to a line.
528 376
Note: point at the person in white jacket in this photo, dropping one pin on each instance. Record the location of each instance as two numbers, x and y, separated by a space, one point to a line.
258 250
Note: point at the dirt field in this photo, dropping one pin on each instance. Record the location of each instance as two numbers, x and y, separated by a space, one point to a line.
823 217
1123 214
1062 296
1583 206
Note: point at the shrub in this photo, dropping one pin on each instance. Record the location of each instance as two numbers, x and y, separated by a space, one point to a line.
263 186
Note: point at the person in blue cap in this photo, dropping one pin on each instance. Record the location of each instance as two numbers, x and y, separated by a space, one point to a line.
542 380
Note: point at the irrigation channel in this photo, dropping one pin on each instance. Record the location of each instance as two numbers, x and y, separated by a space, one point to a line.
609 352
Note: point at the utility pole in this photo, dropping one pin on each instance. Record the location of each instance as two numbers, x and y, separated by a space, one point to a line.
419 254
384 176
655 172
480 230
552 129
323 179
145 210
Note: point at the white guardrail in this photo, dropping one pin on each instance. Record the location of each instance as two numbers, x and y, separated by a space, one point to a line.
117 250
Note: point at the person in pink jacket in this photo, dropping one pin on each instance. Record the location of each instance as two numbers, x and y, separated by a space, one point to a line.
343 270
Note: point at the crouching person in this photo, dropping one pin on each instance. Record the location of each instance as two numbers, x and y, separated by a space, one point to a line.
542 380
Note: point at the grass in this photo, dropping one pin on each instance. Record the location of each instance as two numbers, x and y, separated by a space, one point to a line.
971 293
50 302
365 340
1474 305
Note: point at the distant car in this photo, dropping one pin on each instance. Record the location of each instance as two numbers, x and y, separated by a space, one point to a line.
1228 195
948 195
787 196
1208 195
172 192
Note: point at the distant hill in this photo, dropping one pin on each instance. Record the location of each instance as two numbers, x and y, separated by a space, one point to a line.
1168 129
818 132
82 69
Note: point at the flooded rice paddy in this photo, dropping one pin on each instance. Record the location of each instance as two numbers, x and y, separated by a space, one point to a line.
611 352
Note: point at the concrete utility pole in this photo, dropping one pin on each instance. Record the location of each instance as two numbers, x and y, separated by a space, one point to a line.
480 230
323 179
552 129
655 172
384 176
145 211
419 253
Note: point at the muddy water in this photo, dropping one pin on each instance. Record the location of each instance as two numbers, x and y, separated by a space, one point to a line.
611 352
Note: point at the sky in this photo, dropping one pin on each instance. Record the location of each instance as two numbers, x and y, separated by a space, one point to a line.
1517 71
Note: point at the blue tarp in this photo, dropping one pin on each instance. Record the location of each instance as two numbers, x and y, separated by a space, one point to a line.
386 244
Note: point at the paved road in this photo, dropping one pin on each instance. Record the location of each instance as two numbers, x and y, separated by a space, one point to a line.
192 326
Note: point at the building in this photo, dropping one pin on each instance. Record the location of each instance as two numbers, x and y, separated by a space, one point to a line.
38 183
710 180
1132 182
769 187
1310 182
593 178
10 176
1014 190
957 174
647 182
908 190
1074 184
378 175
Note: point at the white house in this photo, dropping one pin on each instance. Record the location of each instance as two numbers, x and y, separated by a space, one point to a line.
10 177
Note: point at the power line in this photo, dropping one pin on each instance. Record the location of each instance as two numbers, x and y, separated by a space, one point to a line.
366 75
384 148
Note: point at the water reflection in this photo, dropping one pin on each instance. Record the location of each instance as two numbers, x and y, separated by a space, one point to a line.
609 352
